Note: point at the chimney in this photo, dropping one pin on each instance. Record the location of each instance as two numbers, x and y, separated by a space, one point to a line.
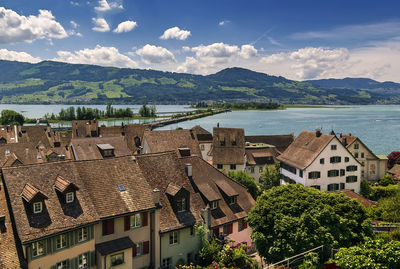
188 170
156 196
349 134
318 133
344 141
341 135
332 132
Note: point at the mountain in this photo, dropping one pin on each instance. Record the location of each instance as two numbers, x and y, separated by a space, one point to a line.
56 82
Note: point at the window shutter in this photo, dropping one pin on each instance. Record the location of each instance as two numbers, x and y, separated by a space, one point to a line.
53 267
240 226
244 225
144 219
45 247
146 247
216 232
29 253
73 263
71 238
134 251
50 248
92 258
127 222
230 228
110 227
90 232
104 223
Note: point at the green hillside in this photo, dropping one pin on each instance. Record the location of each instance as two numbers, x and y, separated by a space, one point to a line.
56 82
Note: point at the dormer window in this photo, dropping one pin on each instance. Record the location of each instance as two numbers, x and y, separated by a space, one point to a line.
69 197
214 204
106 150
233 200
37 207
222 142
181 204
234 143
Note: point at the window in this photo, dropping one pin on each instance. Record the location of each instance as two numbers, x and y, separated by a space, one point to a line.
333 187
82 234
260 170
300 173
333 147
228 229
336 159
233 166
61 265
322 161
108 226
222 143
314 175
202 148
252 169
117 259
181 204
219 166
37 248
214 204
318 187
346 159
61 241
234 143
83 261
166 263
362 154
356 146
135 221
69 197
37 207
173 238
242 224
333 173
351 179
139 249
342 172
289 168
362 173
351 168
342 186
356 154
233 200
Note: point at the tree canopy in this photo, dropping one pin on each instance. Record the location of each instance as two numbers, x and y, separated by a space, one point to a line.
271 176
373 254
247 181
291 219
10 117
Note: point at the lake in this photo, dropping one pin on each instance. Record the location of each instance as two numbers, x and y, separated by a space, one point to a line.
377 126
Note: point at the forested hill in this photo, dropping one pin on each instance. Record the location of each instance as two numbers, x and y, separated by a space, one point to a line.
56 82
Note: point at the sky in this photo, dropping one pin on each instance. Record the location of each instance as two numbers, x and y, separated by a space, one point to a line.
301 40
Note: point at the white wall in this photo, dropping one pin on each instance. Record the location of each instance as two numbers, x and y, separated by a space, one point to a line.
207 148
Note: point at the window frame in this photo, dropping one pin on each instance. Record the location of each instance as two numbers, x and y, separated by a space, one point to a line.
335 159
214 204
346 159
335 171
35 211
135 221
351 179
314 175
333 147
181 204
232 166
173 238
233 200
80 257
139 249
61 241
351 168
68 196
116 255
37 248
63 264
322 161
356 146
83 234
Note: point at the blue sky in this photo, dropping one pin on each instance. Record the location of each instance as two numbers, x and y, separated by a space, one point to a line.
296 39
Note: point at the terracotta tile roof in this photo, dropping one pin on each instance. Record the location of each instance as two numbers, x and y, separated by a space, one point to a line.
305 149
25 153
29 192
10 252
205 174
172 189
395 170
161 171
98 195
161 141
348 140
85 128
364 201
87 148
62 185
262 155
281 142
228 146
8 134
202 134
129 131
36 135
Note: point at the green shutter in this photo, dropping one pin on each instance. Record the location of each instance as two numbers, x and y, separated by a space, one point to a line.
76 236
92 258
49 245
54 267
73 263
29 253
45 251
90 232
53 243
71 238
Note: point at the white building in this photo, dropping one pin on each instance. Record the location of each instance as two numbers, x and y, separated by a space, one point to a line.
320 161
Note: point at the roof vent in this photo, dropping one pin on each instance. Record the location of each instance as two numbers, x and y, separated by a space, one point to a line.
121 188
156 196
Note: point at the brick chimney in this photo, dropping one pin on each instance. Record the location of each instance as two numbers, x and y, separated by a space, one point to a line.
156 196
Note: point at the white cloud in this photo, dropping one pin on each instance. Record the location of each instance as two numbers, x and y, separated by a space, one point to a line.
104 6
222 23
75 4
176 33
155 55
125 26
104 56
248 51
191 65
17 28
273 41
74 24
100 25
11 55
216 50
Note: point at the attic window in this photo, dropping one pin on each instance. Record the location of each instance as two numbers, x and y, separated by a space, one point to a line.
106 150
39 156
181 204
234 143
37 207
69 197
233 200
121 188
7 152
214 204
222 142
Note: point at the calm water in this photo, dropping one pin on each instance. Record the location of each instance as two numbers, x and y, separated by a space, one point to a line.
377 126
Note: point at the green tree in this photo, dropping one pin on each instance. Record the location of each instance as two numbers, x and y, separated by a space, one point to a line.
271 176
386 180
291 219
373 254
10 117
390 208
145 111
247 181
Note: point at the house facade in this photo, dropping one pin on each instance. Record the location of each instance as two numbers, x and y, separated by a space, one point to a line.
205 139
258 156
320 161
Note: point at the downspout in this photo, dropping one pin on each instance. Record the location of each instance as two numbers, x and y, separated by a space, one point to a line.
105 262
160 252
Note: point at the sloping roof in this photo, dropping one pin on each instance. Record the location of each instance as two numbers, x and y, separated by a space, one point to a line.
202 134
129 131
205 174
62 184
160 170
172 189
115 245
87 148
305 149
29 192
84 128
261 155
8 133
233 151
364 201
25 153
348 140
98 196
395 170
36 135
281 142
161 141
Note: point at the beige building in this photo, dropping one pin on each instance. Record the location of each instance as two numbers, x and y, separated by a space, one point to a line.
374 167
320 161
205 139
258 156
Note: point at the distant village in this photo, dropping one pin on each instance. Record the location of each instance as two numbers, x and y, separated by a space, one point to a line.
131 197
